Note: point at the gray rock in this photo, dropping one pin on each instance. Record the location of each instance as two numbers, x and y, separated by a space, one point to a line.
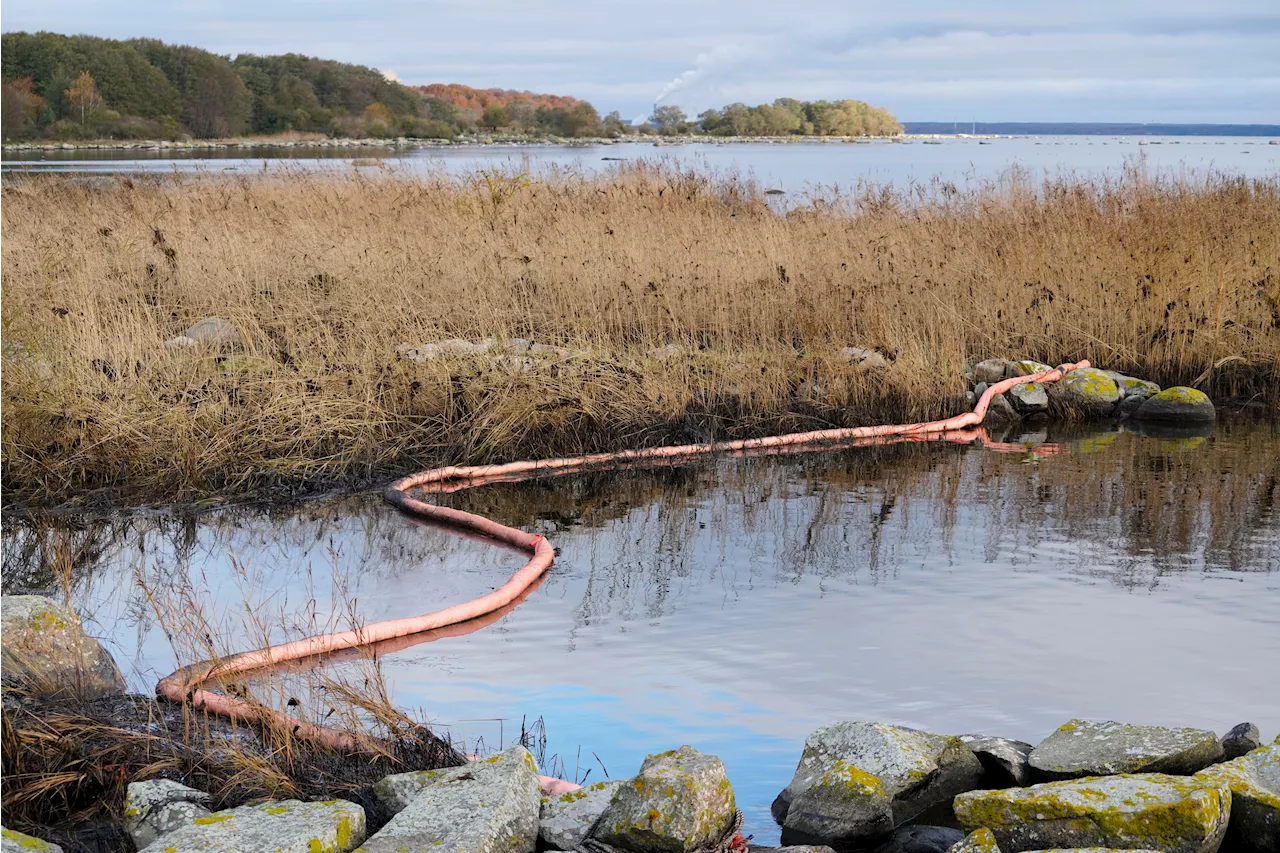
1088 748
990 371
1128 406
182 342
1005 761
487 806
980 389
1092 850
566 819
12 841
1026 367
1173 814
679 801
970 399
44 652
999 411
978 841
1180 405
1254 780
864 357
1028 398
215 332
450 349
288 826
159 806
1241 740
1131 387
1088 391
921 839
859 779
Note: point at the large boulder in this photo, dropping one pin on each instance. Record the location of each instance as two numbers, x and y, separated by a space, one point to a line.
1088 748
214 332
486 806
288 826
1026 367
567 818
990 371
679 801
1173 814
860 779
1000 411
1254 781
1132 388
979 841
1241 740
159 806
44 652
1088 391
921 839
1177 405
1006 762
1029 398
12 841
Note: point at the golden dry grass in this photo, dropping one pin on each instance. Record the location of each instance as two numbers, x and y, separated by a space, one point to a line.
325 275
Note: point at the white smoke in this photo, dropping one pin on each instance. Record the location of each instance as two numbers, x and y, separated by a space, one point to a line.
389 75
713 60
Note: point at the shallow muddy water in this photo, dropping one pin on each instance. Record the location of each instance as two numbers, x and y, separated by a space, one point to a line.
736 605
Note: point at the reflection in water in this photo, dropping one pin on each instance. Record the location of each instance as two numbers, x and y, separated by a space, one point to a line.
738 604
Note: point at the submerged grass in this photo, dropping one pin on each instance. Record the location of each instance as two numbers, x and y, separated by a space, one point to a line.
689 307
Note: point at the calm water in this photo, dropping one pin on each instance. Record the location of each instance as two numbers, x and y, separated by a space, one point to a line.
791 167
737 605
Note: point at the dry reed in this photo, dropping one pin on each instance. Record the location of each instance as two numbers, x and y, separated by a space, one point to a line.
326 275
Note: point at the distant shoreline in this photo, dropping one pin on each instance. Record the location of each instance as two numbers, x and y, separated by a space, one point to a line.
1015 128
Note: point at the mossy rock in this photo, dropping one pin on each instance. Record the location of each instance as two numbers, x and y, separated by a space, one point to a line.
1088 391
1131 387
12 841
1171 814
1177 405
1092 748
1026 367
679 801
288 826
46 653
979 841
566 819
1254 780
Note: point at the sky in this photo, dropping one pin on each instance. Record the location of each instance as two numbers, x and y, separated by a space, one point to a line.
928 60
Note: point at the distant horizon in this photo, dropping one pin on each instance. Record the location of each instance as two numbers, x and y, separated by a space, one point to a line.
1094 128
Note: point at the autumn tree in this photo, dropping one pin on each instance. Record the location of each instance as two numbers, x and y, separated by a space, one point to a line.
83 99
668 119
20 106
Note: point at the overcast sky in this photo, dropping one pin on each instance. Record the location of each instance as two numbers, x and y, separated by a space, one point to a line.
980 60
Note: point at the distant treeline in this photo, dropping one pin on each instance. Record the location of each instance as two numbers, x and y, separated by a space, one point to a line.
789 117
1080 128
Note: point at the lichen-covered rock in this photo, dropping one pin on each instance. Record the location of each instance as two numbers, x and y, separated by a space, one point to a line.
1026 367
486 806
1091 850
1173 814
1254 780
857 779
1241 740
159 806
1028 398
214 332
990 371
1133 388
12 841
979 841
1007 762
1088 748
864 357
453 348
1088 391
680 800
1180 405
567 819
44 651
921 839
287 826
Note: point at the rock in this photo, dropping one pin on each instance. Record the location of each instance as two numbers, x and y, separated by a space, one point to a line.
1128 406
214 332
1092 850
12 841
665 352
1131 387
864 357
1028 398
1026 368
1242 739
1088 391
287 826
679 801
1007 762
990 371
454 348
857 779
1173 814
999 411
970 399
566 819
1087 748
980 389
44 652
921 839
1179 405
159 806
182 342
978 841
489 806
1254 780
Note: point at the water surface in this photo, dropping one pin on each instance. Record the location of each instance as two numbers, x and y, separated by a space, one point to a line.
736 605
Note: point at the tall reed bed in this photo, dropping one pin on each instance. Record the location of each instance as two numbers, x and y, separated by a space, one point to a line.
691 307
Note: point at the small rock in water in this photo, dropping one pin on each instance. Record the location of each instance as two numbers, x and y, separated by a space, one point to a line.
568 818
990 371
1088 391
1241 740
159 806
999 411
921 839
1128 406
289 826
1177 405
1028 398
978 841
679 801
1006 761
1088 748
12 841
45 653
1254 780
